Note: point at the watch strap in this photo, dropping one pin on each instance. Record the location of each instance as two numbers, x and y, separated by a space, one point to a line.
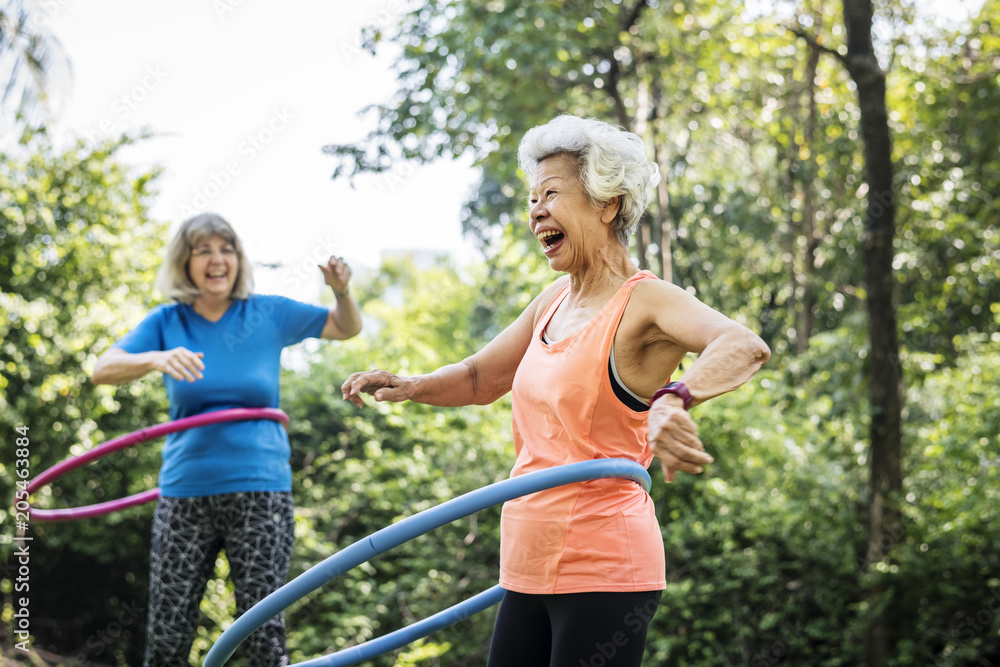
678 389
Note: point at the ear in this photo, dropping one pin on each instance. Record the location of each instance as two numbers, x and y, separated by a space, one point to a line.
610 209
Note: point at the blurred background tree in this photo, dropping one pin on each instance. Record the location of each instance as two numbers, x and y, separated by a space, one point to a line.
756 126
38 71
77 257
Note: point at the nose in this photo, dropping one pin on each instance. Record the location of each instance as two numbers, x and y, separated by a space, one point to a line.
537 212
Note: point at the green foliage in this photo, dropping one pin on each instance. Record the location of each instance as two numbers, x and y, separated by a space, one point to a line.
758 140
358 471
77 255
949 256
946 575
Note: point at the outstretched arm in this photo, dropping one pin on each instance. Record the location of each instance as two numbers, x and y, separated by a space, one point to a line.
478 380
116 366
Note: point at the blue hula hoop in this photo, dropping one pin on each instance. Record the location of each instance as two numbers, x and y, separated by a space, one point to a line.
399 533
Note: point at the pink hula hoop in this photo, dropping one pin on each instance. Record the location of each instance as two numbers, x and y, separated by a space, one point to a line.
134 438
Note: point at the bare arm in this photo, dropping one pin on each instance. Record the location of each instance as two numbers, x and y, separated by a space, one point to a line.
732 357
729 355
344 320
677 323
116 366
478 380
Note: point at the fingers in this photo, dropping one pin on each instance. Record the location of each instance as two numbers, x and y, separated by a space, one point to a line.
351 390
677 457
184 365
336 272
382 385
675 442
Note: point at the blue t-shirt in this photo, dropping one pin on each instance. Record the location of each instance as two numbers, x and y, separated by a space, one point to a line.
242 365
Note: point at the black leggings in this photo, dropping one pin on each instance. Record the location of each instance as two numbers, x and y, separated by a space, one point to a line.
572 629
256 528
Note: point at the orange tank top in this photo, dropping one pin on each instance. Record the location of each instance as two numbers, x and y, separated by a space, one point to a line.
591 536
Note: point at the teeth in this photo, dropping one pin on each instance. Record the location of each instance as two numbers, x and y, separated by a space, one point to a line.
542 236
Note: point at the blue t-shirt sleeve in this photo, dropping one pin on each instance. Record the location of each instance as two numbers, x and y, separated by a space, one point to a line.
147 336
296 320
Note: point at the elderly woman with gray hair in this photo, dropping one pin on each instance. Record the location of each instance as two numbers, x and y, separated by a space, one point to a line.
588 363
225 486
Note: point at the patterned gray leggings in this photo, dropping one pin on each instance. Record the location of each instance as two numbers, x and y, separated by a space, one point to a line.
256 529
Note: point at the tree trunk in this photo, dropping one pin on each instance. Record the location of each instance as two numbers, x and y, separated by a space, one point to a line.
802 241
808 174
643 112
666 223
885 383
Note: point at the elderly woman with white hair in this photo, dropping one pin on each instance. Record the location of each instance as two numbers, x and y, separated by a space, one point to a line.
589 363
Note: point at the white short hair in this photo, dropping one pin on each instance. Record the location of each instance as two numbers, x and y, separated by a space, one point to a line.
611 162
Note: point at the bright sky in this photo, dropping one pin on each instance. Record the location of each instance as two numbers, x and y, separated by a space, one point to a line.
244 95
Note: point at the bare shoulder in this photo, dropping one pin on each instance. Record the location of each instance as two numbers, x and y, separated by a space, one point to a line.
661 310
657 288
650 297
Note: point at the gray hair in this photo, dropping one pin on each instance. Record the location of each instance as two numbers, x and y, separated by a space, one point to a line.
611 163
173 280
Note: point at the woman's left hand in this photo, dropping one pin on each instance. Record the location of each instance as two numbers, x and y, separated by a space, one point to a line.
673 437
336 274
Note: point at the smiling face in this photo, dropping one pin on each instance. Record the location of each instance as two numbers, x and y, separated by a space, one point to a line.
571 229
213 267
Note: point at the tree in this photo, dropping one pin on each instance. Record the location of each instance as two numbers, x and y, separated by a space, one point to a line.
78 253
884 373
885 379
358 471
948 172
737 117
33 65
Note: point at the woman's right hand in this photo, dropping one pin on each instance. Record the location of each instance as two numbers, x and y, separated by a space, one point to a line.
382 385
180 364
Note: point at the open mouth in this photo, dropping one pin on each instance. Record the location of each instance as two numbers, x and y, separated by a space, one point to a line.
550 238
